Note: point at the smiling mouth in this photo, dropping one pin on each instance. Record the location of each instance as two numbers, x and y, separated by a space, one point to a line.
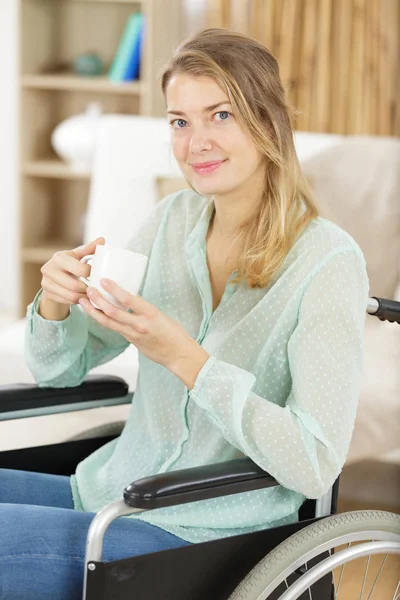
207 167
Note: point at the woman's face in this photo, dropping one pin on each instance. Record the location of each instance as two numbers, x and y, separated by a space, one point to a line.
216 156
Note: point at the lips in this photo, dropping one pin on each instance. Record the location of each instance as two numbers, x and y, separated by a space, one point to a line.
207 167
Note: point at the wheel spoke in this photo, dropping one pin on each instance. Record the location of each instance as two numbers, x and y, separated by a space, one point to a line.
340 577
397 592
365 577
309 589
377 577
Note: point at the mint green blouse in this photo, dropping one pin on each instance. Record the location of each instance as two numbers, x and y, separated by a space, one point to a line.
281 384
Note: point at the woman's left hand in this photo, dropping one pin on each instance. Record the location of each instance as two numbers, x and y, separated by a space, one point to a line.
154 334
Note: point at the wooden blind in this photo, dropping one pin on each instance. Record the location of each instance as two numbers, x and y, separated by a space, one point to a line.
339 59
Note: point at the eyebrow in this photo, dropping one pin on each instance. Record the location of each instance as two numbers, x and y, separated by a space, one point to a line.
207 109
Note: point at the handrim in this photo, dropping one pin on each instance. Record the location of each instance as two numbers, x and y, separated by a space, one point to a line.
309 542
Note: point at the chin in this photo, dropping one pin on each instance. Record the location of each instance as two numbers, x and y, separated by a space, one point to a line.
210 188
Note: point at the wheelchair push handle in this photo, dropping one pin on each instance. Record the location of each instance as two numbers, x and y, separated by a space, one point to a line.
385 310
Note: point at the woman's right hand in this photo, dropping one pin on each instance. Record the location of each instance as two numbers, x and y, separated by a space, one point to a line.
60 284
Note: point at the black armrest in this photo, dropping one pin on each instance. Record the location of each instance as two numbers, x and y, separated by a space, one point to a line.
198 483
29 396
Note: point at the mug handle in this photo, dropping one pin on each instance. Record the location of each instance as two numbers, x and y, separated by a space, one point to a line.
85 260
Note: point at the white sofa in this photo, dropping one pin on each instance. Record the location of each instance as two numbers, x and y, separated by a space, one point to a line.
355 186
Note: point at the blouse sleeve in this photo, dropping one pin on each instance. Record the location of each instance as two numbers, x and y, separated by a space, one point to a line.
61 353
304 443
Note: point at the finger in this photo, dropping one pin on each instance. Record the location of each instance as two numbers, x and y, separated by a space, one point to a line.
113 312
102 318
135 303
66 296
88 248
68 262
66 281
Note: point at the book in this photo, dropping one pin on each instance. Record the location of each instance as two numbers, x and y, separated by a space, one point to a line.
127 57
132 70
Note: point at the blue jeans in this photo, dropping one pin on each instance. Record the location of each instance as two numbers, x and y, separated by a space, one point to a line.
42 538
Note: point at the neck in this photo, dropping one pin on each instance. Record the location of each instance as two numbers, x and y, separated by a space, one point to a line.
231 212
237 206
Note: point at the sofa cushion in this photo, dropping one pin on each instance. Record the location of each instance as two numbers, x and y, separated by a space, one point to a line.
376 429
357 186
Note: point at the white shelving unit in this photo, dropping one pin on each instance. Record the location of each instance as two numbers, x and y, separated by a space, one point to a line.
53 197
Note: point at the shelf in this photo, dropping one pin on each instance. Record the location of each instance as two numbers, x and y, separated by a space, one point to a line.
41 254
54 198
54 169
75 83
107 1
139 2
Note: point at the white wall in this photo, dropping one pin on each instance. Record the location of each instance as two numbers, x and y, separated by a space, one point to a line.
9 155
194 12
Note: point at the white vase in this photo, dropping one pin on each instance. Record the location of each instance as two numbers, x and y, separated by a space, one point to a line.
74 139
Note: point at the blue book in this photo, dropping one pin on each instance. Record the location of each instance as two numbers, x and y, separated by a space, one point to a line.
124 53
133 66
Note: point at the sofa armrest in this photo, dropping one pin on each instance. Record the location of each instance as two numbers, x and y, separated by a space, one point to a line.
23 397
198 483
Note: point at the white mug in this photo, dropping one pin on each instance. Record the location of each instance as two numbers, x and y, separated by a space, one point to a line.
125 267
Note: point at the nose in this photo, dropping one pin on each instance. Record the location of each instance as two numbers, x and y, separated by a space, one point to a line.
199 141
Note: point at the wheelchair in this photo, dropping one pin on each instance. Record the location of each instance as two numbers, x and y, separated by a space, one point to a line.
304 560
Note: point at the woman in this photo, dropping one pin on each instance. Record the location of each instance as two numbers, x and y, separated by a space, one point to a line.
249 326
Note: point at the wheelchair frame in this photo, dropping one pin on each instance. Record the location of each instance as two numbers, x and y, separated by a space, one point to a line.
228 560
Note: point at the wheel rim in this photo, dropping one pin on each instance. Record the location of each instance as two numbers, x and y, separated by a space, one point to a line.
372 543
283 566
329 546
339 560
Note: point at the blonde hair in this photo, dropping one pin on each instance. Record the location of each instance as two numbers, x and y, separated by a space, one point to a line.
249 74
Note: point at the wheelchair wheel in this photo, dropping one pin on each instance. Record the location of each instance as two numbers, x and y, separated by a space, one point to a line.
295 567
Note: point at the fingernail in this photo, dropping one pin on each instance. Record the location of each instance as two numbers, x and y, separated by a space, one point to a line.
105 282
89 292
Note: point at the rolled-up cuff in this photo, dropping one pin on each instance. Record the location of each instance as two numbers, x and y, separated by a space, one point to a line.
201 376
32 312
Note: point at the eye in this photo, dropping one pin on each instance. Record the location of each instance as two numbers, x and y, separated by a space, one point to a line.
178 123
223 115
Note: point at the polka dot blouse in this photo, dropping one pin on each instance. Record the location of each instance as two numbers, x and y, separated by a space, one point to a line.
281 384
